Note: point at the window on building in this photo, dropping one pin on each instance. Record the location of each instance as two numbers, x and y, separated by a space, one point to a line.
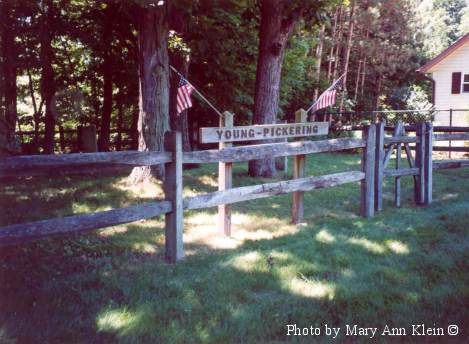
465 84
456 83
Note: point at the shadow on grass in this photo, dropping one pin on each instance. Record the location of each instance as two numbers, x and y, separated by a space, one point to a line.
115 287
32 199
405 266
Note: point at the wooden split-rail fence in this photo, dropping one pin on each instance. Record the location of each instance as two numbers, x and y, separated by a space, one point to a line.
376 152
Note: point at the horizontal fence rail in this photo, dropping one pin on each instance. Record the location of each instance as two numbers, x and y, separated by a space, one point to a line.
451 149
453 137
42 164
23 232
413 128
246 193
451 129
270 150
401 172
444 164
401 139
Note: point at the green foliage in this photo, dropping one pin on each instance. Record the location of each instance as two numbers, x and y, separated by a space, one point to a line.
464 24
220 39
223 45
417 98
440 23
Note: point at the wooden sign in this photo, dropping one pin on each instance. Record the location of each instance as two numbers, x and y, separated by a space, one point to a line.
263 132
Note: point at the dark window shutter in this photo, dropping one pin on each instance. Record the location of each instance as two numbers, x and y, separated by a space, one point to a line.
456 83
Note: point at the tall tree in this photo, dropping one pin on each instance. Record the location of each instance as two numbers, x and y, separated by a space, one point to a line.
277 22
330 62
318 55
108 66
179 57
338 43
348 48
153 119
47 73
7 24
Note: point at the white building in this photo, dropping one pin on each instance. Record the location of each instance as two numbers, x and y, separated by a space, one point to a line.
450 73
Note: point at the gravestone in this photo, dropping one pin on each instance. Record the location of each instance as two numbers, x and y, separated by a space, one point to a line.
87 142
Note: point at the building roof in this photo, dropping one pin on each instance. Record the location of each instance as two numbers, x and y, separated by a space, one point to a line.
440 57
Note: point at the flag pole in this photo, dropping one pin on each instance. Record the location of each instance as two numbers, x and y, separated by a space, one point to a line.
197 91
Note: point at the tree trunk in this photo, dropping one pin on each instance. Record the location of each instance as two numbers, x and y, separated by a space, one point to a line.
338 45
357 80
134 128
333 43
153 119
9 65
47 76
319 59
273 36
36 115
378 91
105 130
120 122
179 122
62 139
362 86
347 52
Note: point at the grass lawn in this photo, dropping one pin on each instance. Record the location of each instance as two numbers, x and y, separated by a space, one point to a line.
405 266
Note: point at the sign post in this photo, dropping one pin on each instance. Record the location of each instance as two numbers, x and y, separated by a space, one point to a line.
297 207
225 179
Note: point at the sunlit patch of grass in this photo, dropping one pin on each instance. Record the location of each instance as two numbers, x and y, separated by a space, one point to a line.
371 246
144 191
201 229
447 196
144 247
310 288
248 261
120 321
88 207
397 247
109 231
210 180
325 237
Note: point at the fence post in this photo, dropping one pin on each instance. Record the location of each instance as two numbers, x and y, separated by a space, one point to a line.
428 163
379 166
420 164
225 179
397 180
173 192
367 206
298 172
450 127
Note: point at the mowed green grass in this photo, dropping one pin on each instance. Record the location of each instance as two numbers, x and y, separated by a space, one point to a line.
405 266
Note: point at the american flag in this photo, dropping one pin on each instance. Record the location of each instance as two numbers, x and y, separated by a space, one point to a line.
184 95
327 98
